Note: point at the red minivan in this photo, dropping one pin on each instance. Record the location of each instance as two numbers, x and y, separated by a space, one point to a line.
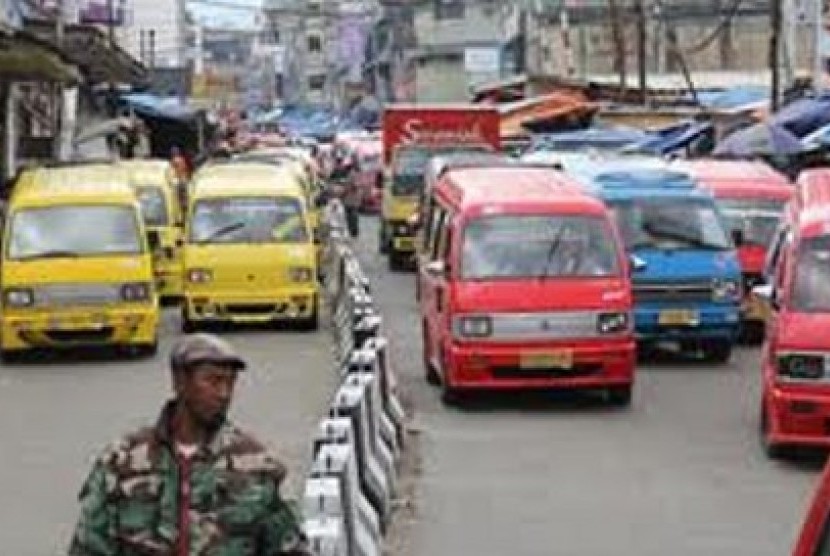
751 197
523 284
795 406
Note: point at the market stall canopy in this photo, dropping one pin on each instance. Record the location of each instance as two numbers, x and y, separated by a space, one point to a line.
599 138
90 49
553 112
24 57
676 137
803 116
148 105
762 139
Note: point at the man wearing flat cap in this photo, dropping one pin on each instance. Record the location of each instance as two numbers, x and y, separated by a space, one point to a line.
193 484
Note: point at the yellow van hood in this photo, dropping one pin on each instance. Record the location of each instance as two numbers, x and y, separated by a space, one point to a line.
78 270
237 267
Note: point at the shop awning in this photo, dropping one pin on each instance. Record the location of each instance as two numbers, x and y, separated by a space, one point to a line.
26 58
90 49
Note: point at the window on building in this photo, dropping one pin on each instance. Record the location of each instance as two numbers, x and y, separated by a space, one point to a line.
315 43
317 82
449 9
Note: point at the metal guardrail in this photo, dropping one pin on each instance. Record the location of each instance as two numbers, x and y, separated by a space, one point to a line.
357 449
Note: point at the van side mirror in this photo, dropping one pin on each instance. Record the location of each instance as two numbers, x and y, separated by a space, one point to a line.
738 237
436 269
637 264
154 240
767 294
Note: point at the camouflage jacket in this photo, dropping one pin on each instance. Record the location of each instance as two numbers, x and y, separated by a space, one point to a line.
130 501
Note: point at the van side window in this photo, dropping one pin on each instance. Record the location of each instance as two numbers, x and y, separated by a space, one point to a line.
775 252
438 220
429 215
444 240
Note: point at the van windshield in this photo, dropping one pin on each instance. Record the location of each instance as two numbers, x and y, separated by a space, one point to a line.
74 231
248 220
410 164
756 218
811 287
521 246
670 224
153 205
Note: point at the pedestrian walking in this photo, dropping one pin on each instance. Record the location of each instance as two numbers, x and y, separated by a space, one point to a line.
193 484
343 178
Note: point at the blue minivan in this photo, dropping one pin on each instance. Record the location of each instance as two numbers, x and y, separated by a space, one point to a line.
685 270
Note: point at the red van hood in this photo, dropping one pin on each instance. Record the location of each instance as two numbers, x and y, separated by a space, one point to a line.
542 295
804 331
752 258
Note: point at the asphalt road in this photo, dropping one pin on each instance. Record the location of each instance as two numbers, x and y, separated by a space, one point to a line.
56 416
680 472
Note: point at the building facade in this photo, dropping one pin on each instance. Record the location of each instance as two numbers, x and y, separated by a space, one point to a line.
460 44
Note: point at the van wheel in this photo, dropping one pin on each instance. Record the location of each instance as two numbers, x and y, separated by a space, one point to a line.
430 374
10 356
717 351
383 243
752 333
188 326
395 261
145 350
772 451
619 396
311 323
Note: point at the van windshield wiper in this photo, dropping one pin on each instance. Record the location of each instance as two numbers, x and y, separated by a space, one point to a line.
53 254
552 249
224 230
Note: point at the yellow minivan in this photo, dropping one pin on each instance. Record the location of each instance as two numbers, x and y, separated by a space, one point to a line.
156 189
76 265
248 254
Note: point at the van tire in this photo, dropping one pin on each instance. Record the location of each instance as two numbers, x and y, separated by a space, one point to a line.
188 326
619 396
146 351
10 356
717 351
395 261
772 451
430 374
312 322
383 243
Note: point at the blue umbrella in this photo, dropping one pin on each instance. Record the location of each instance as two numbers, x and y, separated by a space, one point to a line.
759 139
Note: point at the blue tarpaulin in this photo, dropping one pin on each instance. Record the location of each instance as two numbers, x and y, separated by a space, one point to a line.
600 138
803 116
673 138
734 98
154 106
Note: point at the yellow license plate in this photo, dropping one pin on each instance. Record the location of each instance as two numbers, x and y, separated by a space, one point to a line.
679 317
559 359
404 245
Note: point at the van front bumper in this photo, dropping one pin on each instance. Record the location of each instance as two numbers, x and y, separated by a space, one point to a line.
796 417
242 307
688 322
123 325
540 365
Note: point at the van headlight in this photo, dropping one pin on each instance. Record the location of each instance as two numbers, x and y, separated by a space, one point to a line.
19 297
300 274
136 291
726 290
612 323
199 275
478 326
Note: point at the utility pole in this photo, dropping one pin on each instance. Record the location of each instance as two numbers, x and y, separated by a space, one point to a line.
641 49
820 35
619 41
774 51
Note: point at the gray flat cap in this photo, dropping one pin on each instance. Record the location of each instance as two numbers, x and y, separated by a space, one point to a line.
204 348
